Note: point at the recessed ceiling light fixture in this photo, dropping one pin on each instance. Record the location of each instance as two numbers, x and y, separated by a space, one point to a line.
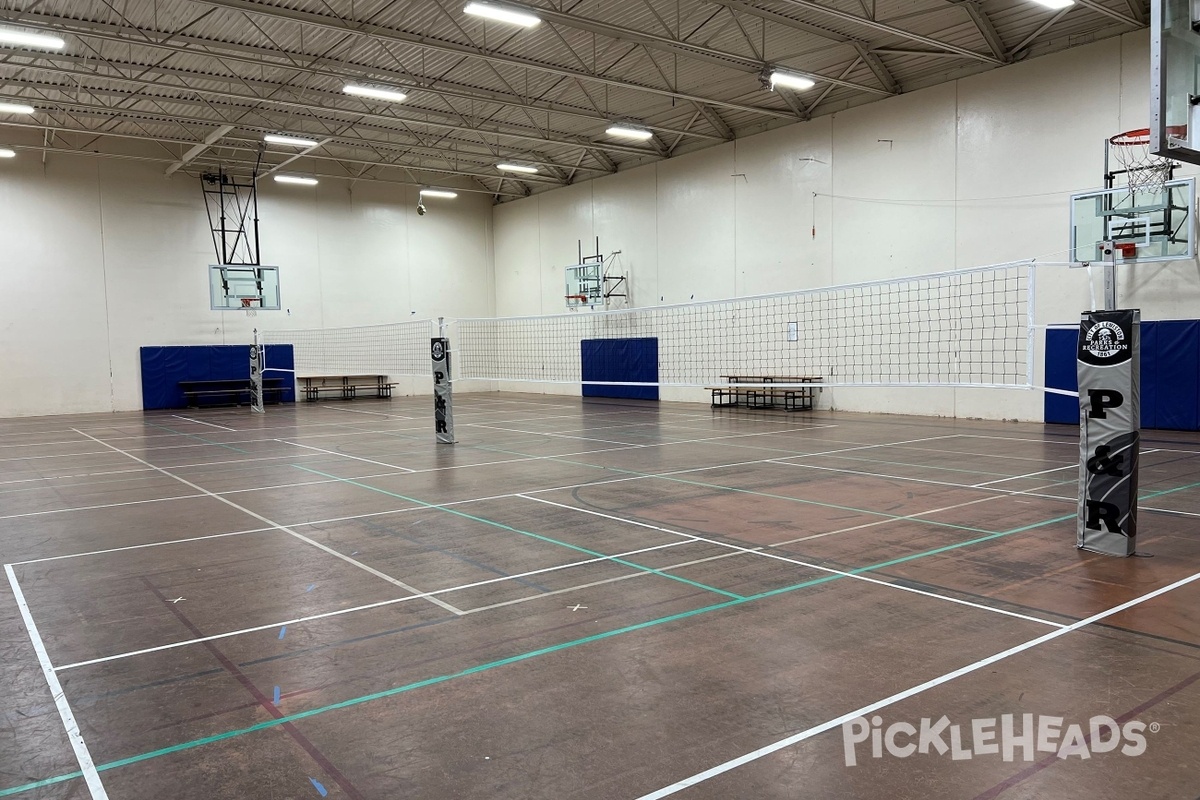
790 80
629 132
29 39
443 193
517 168
294 141
375 92
16 108
1055 4
300 179
501 13
7 153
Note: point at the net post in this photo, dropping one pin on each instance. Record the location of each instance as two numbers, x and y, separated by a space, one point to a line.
1110 275
1030 312
443 396
256 376
1109 365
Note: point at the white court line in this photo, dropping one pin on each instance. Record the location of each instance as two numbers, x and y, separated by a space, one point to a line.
209 424
347 455
106 505
360 411
720 769
141 546
505 496
368 606
283 528
86 766
763 554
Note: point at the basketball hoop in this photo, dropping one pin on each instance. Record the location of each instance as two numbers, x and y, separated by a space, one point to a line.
1144 171
577 299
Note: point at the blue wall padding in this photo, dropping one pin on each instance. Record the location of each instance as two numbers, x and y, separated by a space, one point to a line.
164 367
634 360
1061 374
1178 367
1170 367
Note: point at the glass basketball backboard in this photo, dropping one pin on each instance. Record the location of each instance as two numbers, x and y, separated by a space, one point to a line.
1175 79
585 285
237 287
1153 225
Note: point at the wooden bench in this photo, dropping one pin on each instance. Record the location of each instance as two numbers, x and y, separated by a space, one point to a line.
759 394
346 387
230 392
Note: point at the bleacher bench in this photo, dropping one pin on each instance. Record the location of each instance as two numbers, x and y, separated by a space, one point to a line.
231 392
345 387
790 398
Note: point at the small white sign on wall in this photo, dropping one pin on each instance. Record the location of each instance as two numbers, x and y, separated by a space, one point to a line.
793 331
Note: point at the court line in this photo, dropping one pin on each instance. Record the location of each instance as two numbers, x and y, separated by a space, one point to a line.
510 528
106 505
512 659
734 763
1028 475
366 607
82 755
360 411
623 479
140 546
283 528
761 553
199 422
347 455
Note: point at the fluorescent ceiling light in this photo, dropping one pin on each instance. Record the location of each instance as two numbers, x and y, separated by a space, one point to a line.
15 108
6 153
375 92
629 132
294 141
501 14
27 39
1055 4
439 193
517 168
296 179
791 81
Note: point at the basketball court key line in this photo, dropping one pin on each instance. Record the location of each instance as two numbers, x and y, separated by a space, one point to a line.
283 528
720 769
761 553
513 659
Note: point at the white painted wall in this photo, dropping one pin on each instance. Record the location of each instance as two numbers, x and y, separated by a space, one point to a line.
973 172
105 256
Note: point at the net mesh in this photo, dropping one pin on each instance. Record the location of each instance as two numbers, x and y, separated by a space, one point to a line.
1142 170
965 328
400 348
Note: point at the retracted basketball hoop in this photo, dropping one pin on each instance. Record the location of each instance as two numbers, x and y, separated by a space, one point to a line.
1144 171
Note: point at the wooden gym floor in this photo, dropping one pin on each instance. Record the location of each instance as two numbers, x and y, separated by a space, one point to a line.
581 599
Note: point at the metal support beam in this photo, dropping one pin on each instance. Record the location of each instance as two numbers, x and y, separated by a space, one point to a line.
876 65
370 31
882 27
196 150
986 29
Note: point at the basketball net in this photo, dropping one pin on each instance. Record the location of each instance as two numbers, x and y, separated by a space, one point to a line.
1144 171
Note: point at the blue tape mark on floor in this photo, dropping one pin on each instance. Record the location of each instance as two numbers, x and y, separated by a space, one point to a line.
321 790
282 631
311 586
275 699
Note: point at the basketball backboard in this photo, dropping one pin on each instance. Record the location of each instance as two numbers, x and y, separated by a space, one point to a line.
1159 224
585 285
241 287
1175 80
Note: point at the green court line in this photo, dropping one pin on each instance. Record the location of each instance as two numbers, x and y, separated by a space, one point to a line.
543 651
522 657
196 436
501 525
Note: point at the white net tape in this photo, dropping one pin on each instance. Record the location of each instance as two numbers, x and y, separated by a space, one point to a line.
965 328
400 348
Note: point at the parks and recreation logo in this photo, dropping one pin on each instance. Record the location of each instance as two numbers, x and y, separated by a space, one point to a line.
1105 339
1005 737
